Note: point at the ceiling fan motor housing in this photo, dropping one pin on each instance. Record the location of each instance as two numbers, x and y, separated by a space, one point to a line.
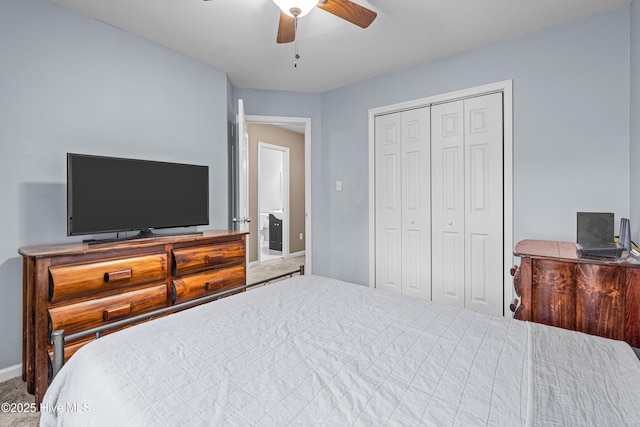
291 10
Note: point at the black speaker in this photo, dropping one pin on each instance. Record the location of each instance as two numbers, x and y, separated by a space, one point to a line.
595 227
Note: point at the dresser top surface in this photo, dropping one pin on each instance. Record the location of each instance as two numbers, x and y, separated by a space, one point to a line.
565 251
82 247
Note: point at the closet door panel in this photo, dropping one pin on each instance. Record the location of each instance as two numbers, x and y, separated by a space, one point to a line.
479 286
388 203
448 202
447 286
483 138
416 206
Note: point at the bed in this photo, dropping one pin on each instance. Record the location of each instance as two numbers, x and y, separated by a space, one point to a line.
317 351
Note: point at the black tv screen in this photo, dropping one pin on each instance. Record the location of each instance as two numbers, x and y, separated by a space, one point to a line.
108 194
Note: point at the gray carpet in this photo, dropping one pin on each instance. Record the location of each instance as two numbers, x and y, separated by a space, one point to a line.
268 269
15 391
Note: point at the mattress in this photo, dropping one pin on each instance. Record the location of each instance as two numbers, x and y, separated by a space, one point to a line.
318 351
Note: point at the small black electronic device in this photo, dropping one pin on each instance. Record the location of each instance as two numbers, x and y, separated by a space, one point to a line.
595 235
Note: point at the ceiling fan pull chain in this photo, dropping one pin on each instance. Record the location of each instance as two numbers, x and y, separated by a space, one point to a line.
296 57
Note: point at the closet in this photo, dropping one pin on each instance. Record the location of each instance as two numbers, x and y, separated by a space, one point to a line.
439 202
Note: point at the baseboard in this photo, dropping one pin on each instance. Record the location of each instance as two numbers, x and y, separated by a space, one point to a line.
10 372
295 254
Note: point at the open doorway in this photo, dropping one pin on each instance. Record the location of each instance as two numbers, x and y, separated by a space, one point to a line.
273 202
290 134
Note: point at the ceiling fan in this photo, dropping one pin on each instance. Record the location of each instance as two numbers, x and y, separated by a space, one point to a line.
291 10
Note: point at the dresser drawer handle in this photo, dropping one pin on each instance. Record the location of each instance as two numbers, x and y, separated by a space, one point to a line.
208 259
115 312
216 284
513 270
113 276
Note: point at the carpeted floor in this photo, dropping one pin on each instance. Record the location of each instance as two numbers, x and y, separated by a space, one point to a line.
14 391
273 268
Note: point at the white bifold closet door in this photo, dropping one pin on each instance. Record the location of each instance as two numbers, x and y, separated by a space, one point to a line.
467 203
403 241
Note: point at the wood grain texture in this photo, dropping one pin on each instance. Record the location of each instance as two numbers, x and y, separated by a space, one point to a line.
107 249
553 290
547 249
200 258
632 307
89 279
349 11
537 248
41 337
523 311
286 29
197 285
29 321
89 314
113 313
600 300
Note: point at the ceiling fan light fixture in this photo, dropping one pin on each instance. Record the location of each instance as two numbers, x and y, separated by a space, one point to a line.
296 8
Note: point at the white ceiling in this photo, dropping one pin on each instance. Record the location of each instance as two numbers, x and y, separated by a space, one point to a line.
238 36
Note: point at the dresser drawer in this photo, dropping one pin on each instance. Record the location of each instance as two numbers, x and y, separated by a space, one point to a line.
89 314
194 286
70 281
200 258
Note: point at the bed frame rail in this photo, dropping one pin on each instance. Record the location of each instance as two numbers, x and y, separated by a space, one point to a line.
58 337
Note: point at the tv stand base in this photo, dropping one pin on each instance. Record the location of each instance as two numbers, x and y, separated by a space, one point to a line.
143 234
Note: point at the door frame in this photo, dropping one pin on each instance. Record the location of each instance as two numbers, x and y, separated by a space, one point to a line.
285 196
241 217
505 87
306 122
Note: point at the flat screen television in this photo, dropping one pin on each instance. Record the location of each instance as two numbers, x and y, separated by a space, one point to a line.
109 194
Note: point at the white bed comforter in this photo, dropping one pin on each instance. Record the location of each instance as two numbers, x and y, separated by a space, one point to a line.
315 351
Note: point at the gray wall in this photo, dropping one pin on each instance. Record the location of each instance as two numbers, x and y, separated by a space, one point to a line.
69 83
635 121
571 133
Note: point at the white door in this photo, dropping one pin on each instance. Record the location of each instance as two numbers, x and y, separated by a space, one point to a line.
447 203
388 203
402 203
241 218
416 204
484 204
467 207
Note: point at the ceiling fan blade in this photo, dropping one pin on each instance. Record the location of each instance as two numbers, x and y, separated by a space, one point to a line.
286 29
350 11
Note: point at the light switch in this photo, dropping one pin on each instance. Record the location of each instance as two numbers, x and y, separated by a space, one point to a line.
338 185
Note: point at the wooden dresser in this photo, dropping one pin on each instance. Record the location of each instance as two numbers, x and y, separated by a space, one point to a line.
78 286
596 296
